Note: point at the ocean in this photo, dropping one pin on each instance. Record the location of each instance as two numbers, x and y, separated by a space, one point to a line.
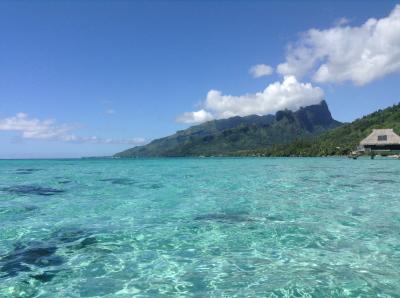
200 227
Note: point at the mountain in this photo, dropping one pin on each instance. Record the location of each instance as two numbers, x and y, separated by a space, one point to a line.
339 141
227 136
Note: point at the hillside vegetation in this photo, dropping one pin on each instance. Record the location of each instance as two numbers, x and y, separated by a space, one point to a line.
338 141
239 135
310 131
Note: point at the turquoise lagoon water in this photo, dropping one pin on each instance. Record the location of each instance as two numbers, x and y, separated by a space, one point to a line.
218 227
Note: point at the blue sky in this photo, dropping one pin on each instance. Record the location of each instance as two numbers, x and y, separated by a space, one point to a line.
115 74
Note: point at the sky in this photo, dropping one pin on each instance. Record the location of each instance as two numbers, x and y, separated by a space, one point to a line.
91 78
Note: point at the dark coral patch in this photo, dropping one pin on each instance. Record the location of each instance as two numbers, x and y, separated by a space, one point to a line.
156 186
64 181
151 186
27 171
30 208
39 255
24 258
121 181
278 218
45 276
32 190
222 217
384 181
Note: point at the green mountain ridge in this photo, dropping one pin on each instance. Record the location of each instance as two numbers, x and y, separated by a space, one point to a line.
339 141
240 134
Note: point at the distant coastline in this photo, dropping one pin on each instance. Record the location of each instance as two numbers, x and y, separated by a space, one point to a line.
265 138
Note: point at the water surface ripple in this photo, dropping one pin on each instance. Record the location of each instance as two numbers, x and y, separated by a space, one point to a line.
217 227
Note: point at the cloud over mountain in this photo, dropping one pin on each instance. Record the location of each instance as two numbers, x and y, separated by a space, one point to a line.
359 54
195 117
288 94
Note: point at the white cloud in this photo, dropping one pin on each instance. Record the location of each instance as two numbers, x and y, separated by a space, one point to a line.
261 70
343 53
33 128
195 117
288 94
110 111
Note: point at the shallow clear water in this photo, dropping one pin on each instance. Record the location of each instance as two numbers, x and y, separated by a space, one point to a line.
289 227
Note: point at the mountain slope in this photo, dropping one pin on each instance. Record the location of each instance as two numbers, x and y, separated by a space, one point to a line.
226 136
338 141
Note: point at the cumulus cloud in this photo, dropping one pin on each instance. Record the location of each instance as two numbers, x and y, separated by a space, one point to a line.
359 54
288 94
261 70
195 117
33 128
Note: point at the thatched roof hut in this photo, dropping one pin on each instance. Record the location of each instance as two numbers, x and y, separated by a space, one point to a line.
381 137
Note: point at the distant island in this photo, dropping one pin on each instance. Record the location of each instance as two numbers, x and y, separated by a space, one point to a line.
309 131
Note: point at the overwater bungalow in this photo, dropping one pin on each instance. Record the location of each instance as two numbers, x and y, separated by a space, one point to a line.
382 142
